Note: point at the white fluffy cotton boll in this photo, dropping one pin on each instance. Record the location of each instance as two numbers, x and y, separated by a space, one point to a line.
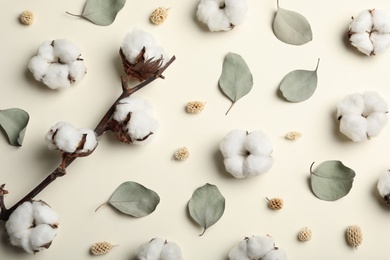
258 143
171 251
129 104
351 104
239 252
90 140
373 102
38 66
259 246
354 127
375 122
142 127
234 166
44 214
150 250
256 164
67 138
233 143
384 184
41 237
77 71
22 239
381 21
20 219
46 51
56 76
363 42
380 42
275 254
134 42
235 10
66 51
362 22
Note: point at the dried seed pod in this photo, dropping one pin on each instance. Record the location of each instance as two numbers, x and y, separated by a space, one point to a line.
354 235
275 203
101 248
26 17
194 107
304 234
293 135
159 15
182 154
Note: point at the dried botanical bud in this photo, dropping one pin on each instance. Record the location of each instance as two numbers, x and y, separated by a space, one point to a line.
159 15
26 17
304 234
293 135
275 203
101 248
354 235
182 154
194 107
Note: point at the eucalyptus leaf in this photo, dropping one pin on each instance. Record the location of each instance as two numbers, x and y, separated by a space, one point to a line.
331 180
14 122
299 85
291 27
134 199
236 79
206 206
102 12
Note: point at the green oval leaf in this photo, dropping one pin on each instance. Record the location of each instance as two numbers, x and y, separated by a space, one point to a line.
102 12
134 199
14 122
206 206
236 79
299 85
291 27
331 180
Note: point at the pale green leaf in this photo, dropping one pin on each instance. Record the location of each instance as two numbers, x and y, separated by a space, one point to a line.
206 206
134 199
236 79
291 27
299 85
102 12
331 180
14 122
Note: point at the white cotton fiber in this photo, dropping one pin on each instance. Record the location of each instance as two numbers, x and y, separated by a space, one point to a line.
56 76
42 235
233 143
354 127
38 66
171 251
66 51
275 254
363 42
141 125
362 22
239 252
90 140
381 21
67 138
259 246
43 214
384 184
46 52
235 166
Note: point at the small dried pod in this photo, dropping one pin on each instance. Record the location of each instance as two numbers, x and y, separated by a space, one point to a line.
159 15
182 154
305 234
354 235
293 135
101 248
194 107
26 17
275 203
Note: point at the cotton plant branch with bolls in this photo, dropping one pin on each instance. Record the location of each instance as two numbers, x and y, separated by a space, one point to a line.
129 117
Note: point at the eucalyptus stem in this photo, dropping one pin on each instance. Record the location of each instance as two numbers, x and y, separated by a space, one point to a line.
100 129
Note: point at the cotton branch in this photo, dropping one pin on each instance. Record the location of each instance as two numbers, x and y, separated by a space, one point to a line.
100 129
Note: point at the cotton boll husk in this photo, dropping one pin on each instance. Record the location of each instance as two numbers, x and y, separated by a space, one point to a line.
66 51
43 214
355 127
38 67
362 22
235 10
57 76
275 254
77 70
46 51
134 42
234 165
41 236
171 251
258 143
363 42
259 246
234 143
151 250
129 104
375 123
21 219
384 184
141 125
381 42
381 21
373 103
238 252
351 104
67 138
256 164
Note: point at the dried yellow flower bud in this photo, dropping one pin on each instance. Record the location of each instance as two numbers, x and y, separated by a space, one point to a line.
275 203
304 234
159 15
26 17
182 154
101 248
354 235
293 135
194 107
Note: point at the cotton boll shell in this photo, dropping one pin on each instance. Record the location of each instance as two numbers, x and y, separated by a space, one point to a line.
77 71
233 143
381 21
362 23
67 138
258 143
384 184
275 254
66 51
43 214
256 164
259 246
57 76
238 252
21 219
375 123
363 42
38 67
354 127
234 165
46 52
351 104
171 251
42 236
235 10
151 250
141 125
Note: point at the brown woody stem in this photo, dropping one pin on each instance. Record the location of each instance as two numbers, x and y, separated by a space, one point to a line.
100 129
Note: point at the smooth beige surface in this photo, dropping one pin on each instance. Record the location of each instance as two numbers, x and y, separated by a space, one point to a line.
194 76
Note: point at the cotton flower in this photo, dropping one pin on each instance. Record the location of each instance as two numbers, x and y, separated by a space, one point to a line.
246 154
68 139
221 15
58 64
141 57
384 186
370 32
257 247
159 249
32 226
362 116
136 122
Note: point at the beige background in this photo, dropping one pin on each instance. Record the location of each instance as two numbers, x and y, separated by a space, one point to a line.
193 76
